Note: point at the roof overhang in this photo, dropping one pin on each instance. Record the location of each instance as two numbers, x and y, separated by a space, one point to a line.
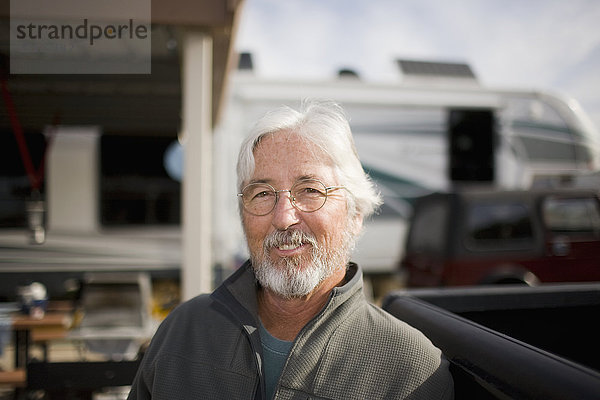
127 103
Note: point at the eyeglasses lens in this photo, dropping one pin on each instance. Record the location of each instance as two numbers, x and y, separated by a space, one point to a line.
260 198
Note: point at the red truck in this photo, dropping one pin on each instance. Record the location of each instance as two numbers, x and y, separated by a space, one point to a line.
473 237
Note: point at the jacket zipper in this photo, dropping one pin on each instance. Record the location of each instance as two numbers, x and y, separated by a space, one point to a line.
259 389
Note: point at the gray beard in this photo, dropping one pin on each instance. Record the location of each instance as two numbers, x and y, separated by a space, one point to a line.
296 277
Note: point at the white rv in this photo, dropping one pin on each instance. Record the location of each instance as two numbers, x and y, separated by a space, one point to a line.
117 210
428 133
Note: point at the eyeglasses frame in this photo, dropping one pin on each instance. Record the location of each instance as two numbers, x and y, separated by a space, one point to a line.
291 198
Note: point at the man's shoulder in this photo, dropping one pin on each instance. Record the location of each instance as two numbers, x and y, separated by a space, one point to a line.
185 316
397 358
380 330
188 325
195 305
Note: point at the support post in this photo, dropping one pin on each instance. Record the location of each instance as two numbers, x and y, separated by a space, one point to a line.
196 273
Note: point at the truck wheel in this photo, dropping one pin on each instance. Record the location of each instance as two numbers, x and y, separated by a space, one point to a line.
511 275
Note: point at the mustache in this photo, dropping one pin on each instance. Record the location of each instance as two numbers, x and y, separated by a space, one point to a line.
290 237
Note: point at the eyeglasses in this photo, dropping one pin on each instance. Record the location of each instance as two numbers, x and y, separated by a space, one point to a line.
307 195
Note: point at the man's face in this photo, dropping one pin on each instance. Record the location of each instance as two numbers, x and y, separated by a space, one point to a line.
293 251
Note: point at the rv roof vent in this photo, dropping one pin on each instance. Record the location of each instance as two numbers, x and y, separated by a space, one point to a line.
425 71
245 62
348 73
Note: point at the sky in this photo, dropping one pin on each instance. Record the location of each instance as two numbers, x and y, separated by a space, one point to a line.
535 44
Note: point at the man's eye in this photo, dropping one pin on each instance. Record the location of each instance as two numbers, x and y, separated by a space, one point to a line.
264 193
310 191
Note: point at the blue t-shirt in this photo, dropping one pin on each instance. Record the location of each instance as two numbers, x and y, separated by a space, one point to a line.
275 352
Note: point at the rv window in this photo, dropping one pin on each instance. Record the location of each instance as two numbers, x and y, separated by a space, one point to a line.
535 113
499 227
428 229
541 134
135 188
539 149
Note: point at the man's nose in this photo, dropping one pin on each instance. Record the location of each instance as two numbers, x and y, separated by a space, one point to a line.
285 214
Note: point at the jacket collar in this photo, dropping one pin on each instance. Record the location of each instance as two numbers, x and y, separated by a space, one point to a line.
239 290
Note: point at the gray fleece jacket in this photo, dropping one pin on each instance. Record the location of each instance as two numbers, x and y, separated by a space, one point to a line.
209 348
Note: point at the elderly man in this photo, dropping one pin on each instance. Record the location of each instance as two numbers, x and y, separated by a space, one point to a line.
293 322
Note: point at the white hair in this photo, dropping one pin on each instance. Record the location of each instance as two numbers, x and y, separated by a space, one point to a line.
324 124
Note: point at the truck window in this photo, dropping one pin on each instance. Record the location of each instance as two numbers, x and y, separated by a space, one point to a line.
571 214
428 230
499 226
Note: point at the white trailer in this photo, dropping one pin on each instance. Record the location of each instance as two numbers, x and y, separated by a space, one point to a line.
413 138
